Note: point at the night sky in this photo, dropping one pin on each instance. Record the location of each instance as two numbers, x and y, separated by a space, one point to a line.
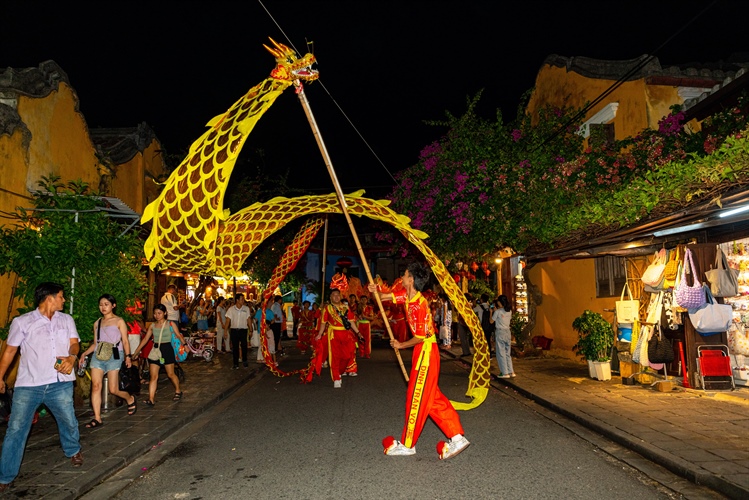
389 65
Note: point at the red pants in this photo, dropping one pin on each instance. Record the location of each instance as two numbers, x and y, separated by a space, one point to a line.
305 337
365 348
342 353
424 399
321 352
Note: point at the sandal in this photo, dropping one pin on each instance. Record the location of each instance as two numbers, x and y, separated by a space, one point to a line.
148 402
177 396
132 407
94 424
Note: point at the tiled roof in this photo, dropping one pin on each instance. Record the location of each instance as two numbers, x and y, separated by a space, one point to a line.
120 145
697 74
32 82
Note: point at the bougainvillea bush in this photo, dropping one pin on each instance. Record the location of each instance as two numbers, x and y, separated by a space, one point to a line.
487 184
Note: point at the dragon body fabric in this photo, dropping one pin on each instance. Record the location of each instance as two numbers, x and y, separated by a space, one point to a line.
191 231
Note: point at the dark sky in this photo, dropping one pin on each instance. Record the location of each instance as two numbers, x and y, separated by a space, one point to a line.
389 65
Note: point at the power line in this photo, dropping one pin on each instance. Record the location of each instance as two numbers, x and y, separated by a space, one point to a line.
291 44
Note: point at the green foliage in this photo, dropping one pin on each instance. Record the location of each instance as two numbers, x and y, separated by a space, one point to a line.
479 286
68 241
595 336
517 326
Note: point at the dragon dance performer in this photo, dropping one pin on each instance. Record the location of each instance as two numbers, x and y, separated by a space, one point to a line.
305 330
367 314
424 398
336 321
398 320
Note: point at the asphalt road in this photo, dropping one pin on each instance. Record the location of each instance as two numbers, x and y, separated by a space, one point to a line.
279 439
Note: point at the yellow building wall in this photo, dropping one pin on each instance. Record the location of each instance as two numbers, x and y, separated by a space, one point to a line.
568 288
641 105
133 183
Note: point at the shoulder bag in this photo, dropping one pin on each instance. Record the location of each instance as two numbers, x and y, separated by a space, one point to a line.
670 272
155 353
103 349
690 297
654 273
711 318
180 351
660 349
627 311
724 281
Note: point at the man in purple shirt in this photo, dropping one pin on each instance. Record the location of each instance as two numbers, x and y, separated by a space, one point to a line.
49 349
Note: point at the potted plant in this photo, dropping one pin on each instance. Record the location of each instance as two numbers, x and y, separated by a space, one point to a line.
595 339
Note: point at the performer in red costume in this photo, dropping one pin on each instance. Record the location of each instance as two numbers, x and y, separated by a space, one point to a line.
336 320
424 398
398 322
367 314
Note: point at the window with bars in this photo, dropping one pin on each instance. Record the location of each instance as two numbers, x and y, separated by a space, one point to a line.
610 276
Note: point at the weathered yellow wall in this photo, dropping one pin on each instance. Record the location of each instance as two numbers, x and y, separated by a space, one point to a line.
568 288
60 143
56 141
640 105
134 183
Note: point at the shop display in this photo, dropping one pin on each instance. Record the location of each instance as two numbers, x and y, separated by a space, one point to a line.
521 296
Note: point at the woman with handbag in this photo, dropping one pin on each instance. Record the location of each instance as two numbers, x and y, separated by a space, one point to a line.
111 346
162 353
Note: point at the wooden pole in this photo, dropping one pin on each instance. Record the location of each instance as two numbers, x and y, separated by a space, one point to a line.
344 208
324 261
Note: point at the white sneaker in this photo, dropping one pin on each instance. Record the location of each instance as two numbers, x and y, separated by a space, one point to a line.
513 375
400 450
503 376
336 384
454 447
324 364
353 374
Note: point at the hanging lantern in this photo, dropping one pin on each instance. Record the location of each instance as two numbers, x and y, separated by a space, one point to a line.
459 265
344 262
474 266
487 272
456 277
484 266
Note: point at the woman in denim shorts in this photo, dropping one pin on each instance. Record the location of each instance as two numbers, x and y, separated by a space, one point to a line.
112 329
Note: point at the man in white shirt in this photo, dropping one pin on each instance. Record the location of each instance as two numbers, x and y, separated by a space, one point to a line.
238 319
49 345
169 300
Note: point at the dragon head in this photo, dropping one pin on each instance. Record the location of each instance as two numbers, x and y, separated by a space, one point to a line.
290 67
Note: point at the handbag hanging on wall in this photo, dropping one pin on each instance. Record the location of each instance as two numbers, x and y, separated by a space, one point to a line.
660 349
654 273
711 318
724 281
689 297
627 311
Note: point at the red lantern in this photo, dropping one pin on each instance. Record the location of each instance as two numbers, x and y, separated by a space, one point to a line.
344 262
456 277
487 272
484 266
474 266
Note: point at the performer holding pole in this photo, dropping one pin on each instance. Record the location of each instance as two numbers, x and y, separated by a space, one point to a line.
424 398
344 208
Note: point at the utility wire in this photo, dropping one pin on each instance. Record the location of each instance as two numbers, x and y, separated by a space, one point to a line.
291 44
580 114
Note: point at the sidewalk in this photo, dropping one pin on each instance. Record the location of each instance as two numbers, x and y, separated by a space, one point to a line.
702 436
47 473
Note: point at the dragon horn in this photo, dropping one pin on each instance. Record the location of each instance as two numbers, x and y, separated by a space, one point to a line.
273 52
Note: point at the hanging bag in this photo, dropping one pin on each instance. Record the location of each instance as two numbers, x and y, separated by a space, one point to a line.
660 349
103 349
670 272
689 297
654 273
724 281
627 311
738 341
180 351
711 318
